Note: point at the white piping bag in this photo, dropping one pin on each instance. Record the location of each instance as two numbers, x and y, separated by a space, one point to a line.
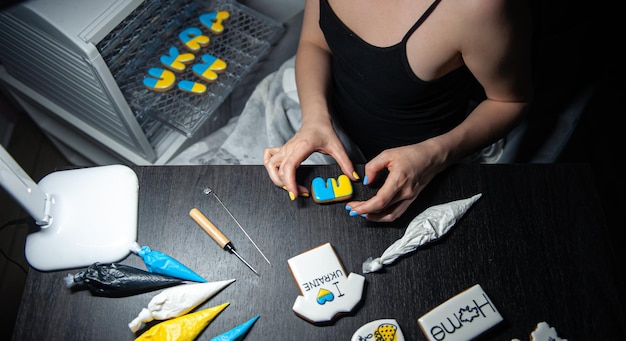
429 225
177 301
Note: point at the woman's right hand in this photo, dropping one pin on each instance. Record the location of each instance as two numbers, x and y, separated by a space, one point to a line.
281 162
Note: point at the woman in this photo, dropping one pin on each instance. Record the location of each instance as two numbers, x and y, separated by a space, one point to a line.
398 78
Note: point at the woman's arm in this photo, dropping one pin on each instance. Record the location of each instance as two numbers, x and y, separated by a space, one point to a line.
497 51
493 37
316 134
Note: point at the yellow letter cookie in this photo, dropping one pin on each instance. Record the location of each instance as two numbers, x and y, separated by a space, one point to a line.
214 21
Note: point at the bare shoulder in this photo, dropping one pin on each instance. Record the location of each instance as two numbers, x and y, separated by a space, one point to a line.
495 44
490 19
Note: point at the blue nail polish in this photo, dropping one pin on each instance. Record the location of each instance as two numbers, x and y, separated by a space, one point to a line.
365 180
354 213
348 208
364 215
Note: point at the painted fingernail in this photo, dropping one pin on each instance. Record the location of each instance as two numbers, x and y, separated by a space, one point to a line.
348 208
354 213
365 180
355 175
304 195
363 215
292 196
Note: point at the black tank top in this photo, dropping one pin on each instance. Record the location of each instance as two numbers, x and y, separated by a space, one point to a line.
378 99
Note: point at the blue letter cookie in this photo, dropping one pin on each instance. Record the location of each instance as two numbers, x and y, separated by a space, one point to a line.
331 190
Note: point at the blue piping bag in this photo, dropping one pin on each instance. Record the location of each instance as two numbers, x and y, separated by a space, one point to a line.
237 333
161 263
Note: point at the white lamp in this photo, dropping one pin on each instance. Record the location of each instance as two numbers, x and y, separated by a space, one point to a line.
86 215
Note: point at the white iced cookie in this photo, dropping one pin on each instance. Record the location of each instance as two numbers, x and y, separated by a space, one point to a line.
544 332
462 317
325 290
383 330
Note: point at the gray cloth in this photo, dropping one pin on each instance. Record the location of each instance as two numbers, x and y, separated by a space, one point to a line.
270 117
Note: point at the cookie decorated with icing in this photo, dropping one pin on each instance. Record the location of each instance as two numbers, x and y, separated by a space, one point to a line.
331 189
462 317
175 60
326 290
159 79
210 67
193 39
383 330
214 21
192 87
543 332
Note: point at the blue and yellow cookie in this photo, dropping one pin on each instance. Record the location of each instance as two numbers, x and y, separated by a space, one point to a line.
331 190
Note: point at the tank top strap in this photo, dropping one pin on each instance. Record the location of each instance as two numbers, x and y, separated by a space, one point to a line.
419 22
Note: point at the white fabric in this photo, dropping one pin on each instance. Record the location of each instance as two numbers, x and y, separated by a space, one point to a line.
270 117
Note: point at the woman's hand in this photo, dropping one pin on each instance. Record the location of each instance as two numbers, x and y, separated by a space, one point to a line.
281 162
410 168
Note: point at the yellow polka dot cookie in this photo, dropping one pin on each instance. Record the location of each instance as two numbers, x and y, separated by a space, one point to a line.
383 330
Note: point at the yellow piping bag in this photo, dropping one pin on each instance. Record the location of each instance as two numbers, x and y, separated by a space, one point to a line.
182 328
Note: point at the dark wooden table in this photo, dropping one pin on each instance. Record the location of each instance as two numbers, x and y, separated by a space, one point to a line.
536 242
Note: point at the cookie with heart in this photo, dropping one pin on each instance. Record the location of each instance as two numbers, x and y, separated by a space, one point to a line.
326 290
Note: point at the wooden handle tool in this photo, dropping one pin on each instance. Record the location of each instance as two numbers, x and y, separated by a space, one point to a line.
216 234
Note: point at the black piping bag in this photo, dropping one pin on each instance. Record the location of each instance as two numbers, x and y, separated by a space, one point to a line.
118 280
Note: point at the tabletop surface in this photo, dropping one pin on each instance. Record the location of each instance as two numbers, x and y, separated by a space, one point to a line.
536 242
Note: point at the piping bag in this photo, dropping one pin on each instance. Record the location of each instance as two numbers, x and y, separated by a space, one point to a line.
427 226
177 301
183 328
161 263
237 333
118 280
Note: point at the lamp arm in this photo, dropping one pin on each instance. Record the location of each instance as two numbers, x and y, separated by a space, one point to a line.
23 189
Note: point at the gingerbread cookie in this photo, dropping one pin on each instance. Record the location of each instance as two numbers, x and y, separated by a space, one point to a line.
325 290
175 60
462 317
210 67
543 332
159 79
383 330
193 39
214 21
192 87
331 190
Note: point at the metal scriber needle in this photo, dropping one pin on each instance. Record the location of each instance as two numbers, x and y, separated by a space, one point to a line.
208 191
217 235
